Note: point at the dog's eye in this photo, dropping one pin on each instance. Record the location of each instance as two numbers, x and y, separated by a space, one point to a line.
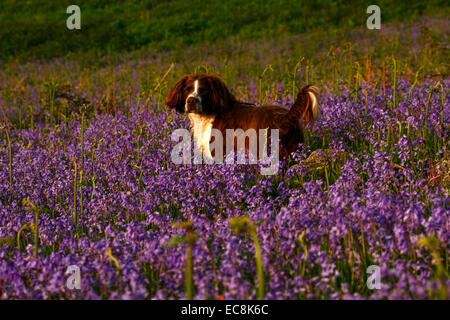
188 89
201 91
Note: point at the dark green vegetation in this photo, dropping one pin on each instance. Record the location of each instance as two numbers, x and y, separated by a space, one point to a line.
37 28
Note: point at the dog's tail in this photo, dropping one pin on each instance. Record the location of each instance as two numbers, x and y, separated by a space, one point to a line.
305 107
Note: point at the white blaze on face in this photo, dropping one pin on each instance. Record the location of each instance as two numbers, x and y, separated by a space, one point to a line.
195 95
196 87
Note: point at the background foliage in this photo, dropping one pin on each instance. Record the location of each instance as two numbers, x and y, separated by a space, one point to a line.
37 28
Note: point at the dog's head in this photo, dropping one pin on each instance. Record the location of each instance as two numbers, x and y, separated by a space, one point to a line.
200 93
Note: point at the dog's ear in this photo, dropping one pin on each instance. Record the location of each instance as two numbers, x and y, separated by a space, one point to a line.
176 98
219 97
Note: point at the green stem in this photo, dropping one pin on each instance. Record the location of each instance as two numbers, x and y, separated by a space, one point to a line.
294 88
82 141
36 232
189 273
367 98
52 89
425 128
24 227
93 187
259 264
31 116
92 160
357 81
307 73
305 248
75 215
10 158
414 84
395 82
246 225
81 192
139 145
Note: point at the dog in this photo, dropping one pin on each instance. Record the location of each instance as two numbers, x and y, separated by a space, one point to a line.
210 105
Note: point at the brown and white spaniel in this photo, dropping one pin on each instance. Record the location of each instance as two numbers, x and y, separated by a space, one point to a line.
209 104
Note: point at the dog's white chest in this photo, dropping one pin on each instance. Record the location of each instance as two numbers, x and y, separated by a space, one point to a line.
201 126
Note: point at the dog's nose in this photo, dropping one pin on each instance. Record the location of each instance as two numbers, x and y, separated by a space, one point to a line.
191 104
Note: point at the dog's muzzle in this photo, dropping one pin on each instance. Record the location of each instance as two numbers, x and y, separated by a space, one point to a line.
193 104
